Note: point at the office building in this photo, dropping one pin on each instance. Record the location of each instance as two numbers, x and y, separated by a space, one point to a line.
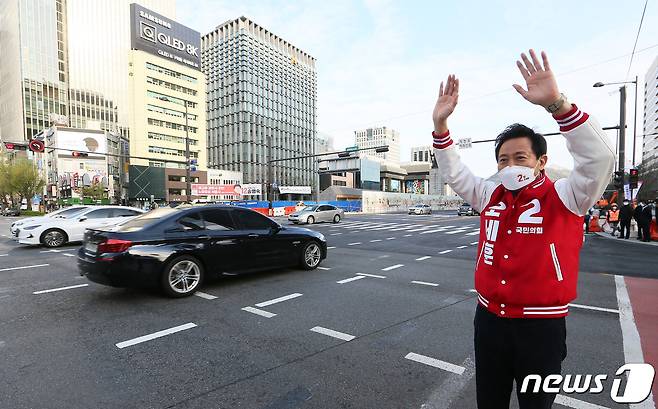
373 137
422 154
261 97
650 122
65 59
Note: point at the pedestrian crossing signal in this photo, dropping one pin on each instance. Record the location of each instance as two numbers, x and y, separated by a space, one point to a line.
619 179
633 175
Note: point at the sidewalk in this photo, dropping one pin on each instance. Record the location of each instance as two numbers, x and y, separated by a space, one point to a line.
631 239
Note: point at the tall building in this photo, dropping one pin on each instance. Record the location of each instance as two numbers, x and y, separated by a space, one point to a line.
65 58
373 137
650 140
261 96
422 153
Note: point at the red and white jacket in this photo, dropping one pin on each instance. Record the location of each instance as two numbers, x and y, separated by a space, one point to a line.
527 264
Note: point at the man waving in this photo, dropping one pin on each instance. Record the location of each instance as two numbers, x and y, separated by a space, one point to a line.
531 231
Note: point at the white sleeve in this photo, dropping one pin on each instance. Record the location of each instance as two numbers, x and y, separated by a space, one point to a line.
473 189
593 158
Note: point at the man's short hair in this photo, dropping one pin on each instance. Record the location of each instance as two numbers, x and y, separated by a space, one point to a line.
522 131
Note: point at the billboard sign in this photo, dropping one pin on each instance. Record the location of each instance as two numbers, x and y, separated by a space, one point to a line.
296 190
158 35
203 189
252 189
80 140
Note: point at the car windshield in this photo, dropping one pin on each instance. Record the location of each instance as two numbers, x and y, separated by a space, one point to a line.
310 208
66 213
139 222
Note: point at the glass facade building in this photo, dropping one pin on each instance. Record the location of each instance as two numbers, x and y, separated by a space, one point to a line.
261 94
71 59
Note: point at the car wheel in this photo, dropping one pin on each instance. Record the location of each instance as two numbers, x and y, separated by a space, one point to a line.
181 277
337 218
53 238
311 256
310 220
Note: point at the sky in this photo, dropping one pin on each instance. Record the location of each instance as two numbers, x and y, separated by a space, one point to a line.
380 62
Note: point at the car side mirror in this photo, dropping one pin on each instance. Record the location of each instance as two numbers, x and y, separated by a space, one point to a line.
82 219
275 229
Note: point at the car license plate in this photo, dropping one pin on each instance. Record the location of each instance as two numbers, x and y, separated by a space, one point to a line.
91 247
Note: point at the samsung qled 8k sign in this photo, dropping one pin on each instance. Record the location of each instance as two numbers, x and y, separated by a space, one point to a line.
156 34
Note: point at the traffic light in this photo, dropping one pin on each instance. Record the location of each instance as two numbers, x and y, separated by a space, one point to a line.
193 163
619 179
10 146
77 154
632 178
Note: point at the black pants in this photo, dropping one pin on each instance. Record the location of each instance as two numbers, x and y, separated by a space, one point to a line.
508 349
625 227
645 231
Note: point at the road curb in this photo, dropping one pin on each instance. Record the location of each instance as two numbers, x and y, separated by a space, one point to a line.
630 240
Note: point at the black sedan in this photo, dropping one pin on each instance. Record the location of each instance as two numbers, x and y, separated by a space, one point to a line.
176 249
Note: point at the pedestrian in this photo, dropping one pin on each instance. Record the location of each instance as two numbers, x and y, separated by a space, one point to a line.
625 215
588 217
637 216
647 215
613 218
530 236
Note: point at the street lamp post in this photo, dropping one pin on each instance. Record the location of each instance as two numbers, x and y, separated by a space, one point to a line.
622 127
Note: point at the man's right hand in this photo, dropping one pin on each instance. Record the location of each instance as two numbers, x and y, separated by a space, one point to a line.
446 103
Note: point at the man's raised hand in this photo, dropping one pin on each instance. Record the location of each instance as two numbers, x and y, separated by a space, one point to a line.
540 81
448 96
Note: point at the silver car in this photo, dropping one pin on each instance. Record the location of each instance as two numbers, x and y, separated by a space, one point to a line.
420 208
317 213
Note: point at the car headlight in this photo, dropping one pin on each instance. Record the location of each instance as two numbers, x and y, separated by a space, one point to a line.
31 227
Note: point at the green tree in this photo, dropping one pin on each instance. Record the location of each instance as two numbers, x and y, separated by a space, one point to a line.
25 179
96 191
5 185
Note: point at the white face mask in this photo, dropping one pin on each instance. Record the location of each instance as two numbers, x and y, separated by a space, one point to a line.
516 177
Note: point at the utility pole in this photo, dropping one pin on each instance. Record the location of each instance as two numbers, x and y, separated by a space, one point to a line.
622 139
188 177
635 122
270 189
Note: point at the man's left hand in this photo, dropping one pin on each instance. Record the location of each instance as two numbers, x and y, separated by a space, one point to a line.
540 81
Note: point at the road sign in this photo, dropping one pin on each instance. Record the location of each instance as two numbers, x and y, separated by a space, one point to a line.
464 143
36 145
351 148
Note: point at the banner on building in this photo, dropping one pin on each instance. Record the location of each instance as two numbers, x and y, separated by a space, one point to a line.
80 140
295 190
203 189
252 189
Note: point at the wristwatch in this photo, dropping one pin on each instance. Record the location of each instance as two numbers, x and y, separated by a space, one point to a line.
555 106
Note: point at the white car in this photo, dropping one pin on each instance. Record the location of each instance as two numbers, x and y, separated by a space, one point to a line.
62 213
54 232
420 208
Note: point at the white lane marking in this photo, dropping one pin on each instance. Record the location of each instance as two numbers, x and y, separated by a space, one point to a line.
4 255
205 295
256 311
20 268
456 231
371 275
629 334
60 289
392 226
431 231
437 363
155 335
51 251
425 283
347 280
393 267
570 402
68 254
356 243
419 229
332 333
461 247
590 307
278 300
405 228
408 235
335 234
474 243
472 233
330 247
444 251
375 240
390 238
323 268
472 290
423 258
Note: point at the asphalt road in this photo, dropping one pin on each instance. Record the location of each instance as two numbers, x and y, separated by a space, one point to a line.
385 323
